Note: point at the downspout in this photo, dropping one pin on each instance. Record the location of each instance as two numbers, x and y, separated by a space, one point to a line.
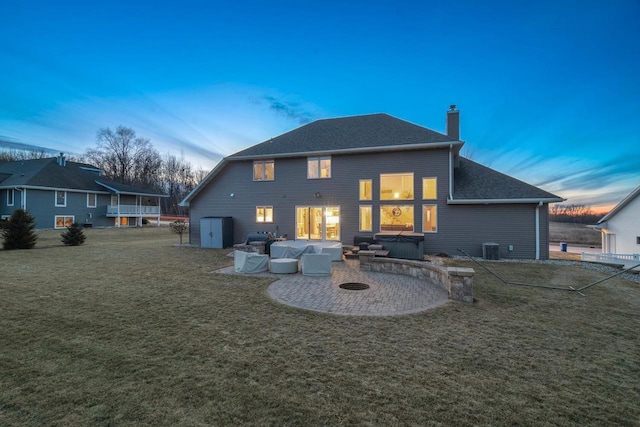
538 230
450 171
159 212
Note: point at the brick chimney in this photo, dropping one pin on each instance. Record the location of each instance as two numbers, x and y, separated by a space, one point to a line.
453 123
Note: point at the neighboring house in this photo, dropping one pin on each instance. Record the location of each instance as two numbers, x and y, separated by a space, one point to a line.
620 228
58 193
335 179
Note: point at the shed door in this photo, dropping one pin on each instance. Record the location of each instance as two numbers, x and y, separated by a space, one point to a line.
211 233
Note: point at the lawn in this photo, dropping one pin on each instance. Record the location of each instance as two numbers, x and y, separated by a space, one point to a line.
131 329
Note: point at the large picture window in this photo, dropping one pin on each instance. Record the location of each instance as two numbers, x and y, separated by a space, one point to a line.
366 220
396 186
396 218
263 170
429 218
61 198
319 167
366 188
429 188
264 213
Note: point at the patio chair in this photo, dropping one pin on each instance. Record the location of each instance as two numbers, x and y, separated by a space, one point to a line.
250 262
316 264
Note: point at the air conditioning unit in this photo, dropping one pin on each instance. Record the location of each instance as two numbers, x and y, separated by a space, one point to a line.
490 251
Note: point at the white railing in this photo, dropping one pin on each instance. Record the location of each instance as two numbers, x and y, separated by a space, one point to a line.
125 210
627 260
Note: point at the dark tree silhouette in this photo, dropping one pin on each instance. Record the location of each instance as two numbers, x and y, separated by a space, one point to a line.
73 236
18 232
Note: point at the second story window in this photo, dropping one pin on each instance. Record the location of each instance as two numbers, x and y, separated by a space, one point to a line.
10 197
263 170
92 200
319 167
61 198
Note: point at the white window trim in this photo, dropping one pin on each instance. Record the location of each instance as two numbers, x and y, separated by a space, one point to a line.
95 195
55 194
430 177
422 217
413 189
360 218
319 160
265 215
400 205
360 188
55 220
264 170
12 201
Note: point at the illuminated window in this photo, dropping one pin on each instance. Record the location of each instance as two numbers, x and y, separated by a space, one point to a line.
264 213
429 190
263 170
63 221
365 189
10 197
92 200
61 198
396 186
366 220
319 167
396 218
124 221
429 218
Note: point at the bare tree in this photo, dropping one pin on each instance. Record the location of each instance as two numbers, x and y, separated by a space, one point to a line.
123 156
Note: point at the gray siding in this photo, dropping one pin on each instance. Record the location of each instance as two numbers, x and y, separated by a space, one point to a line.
41 205
459 226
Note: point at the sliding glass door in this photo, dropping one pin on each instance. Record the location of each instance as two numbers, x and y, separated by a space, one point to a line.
318 222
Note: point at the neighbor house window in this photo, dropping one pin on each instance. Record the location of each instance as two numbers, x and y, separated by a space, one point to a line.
396 186
366 220
429 218
264 213
64 221
365 189
61 198
638 240
92 200
263 170
319 167
10 197
396 218
429 190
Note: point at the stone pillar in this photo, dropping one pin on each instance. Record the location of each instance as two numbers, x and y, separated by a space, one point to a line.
365 259
460 283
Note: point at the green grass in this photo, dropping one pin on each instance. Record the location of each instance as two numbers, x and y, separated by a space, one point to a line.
130 329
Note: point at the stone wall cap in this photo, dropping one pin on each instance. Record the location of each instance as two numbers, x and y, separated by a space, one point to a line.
461 271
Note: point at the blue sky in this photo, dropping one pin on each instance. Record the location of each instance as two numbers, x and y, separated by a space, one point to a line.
549 91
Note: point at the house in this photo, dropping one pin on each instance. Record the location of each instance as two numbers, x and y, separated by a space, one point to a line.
620 228
354 177
57 193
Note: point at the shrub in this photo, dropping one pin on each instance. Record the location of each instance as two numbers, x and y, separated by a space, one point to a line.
18 231
73 236
179 226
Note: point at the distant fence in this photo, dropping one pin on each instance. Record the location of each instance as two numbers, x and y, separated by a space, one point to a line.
626 260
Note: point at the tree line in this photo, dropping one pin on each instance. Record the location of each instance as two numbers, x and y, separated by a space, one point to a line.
578 214
129 159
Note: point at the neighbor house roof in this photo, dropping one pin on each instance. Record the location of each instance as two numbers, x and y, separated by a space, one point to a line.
48 174
348 134
624 202
473 181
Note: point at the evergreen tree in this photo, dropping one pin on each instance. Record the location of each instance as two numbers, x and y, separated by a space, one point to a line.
73 236
18 231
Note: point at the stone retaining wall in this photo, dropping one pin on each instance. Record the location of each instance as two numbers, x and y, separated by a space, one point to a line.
457 281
